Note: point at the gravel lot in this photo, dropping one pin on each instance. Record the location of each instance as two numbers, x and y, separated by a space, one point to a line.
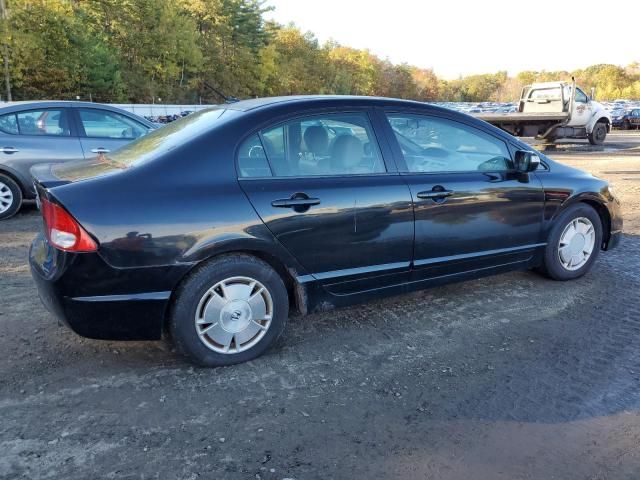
512 377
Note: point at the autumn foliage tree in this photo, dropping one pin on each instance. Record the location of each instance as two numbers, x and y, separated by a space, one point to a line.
175 51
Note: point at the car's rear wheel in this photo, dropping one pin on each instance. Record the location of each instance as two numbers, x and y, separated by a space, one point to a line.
574 243
10 197
229 311
598 134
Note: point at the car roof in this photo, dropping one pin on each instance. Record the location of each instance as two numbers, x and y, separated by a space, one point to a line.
9 107
318 100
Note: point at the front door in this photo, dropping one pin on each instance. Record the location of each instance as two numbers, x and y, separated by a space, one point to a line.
321 185
582 109
472 211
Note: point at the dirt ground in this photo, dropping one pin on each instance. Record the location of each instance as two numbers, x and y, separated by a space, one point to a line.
511 377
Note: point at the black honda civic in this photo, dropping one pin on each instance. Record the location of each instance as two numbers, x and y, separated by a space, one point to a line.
212 228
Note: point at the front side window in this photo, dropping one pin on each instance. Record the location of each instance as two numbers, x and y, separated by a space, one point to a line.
335 144
105 124
581 97
431 145
53 122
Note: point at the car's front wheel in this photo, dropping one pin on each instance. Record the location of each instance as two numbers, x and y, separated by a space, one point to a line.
574 243
10 197
229 311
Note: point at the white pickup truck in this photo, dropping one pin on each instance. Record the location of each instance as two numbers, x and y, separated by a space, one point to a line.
554 110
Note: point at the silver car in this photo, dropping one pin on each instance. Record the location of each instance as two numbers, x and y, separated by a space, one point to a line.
55 131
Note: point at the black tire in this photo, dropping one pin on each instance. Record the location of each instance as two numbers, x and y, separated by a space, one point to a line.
598 134
183 313
553 267
7 184
626 125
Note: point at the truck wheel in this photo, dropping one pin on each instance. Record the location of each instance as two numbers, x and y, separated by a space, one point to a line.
626 125
598 134
10 197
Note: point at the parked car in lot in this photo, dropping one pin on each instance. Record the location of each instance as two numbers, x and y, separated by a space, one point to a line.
215 226
626 120
48 131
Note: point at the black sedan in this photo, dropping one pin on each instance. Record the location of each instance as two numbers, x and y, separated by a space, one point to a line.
212 228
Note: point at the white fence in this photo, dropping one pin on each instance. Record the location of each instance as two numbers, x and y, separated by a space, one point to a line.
157 110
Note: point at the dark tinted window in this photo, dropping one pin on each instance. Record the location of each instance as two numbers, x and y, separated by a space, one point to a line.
105 124
252 159
431 144
337 144
9 124
44 122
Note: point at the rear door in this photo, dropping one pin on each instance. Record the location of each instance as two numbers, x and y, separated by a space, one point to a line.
42 135
327 189
472 210
102 131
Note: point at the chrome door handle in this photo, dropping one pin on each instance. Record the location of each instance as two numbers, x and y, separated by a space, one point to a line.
100 150
9 150
295 202
435 194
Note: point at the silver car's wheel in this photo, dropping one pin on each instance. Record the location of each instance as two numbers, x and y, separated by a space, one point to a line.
234 315
6 197
577 242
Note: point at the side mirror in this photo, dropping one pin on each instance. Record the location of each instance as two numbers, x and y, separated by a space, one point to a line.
526 161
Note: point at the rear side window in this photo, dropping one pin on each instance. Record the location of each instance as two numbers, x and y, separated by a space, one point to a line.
9 124
252 159
105 124
431 145
323 145
53 122
553 93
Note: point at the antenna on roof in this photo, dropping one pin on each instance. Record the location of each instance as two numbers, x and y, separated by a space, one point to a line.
219 93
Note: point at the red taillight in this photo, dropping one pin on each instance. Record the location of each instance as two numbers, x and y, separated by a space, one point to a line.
63 231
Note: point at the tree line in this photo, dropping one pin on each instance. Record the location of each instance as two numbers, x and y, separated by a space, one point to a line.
190 51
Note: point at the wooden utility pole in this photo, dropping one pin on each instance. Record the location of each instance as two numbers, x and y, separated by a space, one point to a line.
4 17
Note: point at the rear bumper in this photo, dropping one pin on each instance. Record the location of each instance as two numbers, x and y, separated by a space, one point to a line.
96 300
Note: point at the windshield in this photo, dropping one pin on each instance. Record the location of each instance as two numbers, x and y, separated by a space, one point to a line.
145 148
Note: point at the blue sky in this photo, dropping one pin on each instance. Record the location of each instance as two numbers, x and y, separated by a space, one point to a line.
456 37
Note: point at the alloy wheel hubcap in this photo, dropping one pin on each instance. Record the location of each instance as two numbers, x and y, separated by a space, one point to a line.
576 243
6 197
234 315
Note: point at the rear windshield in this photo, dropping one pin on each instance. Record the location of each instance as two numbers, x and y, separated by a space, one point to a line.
146 148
